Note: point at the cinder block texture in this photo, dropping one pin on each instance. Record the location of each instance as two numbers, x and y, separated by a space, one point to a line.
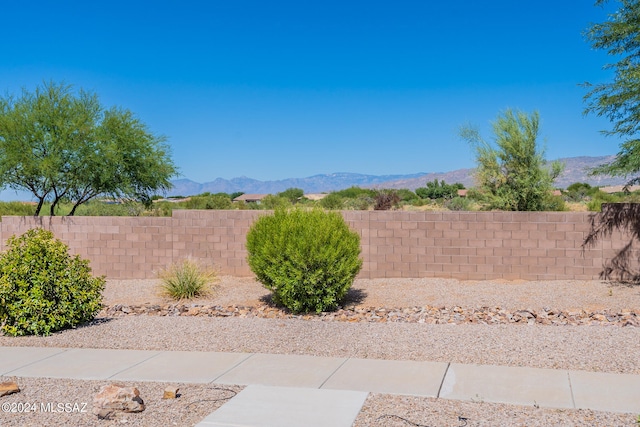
464 245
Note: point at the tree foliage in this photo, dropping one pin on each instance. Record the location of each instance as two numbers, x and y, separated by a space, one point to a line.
63 145
619 99
292 194
439 190
512 173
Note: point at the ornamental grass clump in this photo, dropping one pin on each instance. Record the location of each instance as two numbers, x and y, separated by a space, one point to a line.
307 258
43 289
187 279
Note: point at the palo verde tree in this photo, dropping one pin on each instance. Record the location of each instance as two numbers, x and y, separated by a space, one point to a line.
619 100
512 173
64 145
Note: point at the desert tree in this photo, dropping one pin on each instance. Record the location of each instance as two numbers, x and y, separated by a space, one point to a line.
619 99
62 144
512 173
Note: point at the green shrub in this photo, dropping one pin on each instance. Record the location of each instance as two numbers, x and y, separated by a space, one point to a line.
187 280
332 201
354 192
16 208
292 194
42 288
307 258
458 204
406 195
439 190
209 201
360 203
595 204
272 202
579 191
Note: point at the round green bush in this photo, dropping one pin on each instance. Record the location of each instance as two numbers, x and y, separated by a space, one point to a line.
42 288
307 258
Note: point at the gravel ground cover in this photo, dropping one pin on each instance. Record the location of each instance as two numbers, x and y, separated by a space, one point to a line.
38 404
586 347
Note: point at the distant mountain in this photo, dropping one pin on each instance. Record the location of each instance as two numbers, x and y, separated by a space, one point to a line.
575 171
312 184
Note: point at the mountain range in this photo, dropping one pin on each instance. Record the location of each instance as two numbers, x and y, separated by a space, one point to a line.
576 170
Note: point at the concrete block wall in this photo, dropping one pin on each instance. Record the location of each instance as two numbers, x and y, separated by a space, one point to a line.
463 245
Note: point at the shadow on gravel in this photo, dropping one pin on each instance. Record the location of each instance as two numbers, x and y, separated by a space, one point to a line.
353 297
95 322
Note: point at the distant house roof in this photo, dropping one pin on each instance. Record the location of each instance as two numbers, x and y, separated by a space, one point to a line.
462 193
618 188
556 193
315 196
250 197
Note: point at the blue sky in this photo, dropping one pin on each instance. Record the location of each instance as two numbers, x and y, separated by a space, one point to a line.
280 89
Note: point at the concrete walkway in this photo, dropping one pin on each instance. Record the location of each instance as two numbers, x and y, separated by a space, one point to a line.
293 390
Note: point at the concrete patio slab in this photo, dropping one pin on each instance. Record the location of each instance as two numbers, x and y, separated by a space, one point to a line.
605 391
282 370
389 376
12 358
503 384
260 406
85 363
183 366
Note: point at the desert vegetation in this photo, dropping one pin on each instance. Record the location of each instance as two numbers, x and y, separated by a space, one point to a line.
434 196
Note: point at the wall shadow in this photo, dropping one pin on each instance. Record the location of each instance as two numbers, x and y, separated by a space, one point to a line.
625 218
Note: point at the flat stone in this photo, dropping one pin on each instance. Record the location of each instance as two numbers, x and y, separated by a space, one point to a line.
260 406
84 363
183 366
609 392
504 384
9 387
170 393
389 376
14 358
282 370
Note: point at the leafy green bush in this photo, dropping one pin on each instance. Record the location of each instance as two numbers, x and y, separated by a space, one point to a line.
209 201
458 204
42 288
273 202
354 192
578 191
332 201
439 190
292 194
406 195
187 280
307 258
595 204
361 203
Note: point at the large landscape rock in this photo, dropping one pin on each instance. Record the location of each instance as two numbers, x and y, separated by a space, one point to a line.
115 398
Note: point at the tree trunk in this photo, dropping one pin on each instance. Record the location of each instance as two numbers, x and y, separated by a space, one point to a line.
73 209
52 211
40 203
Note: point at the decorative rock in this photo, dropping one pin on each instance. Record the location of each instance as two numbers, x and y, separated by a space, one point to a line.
427 315
9 387
117 398
170 393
